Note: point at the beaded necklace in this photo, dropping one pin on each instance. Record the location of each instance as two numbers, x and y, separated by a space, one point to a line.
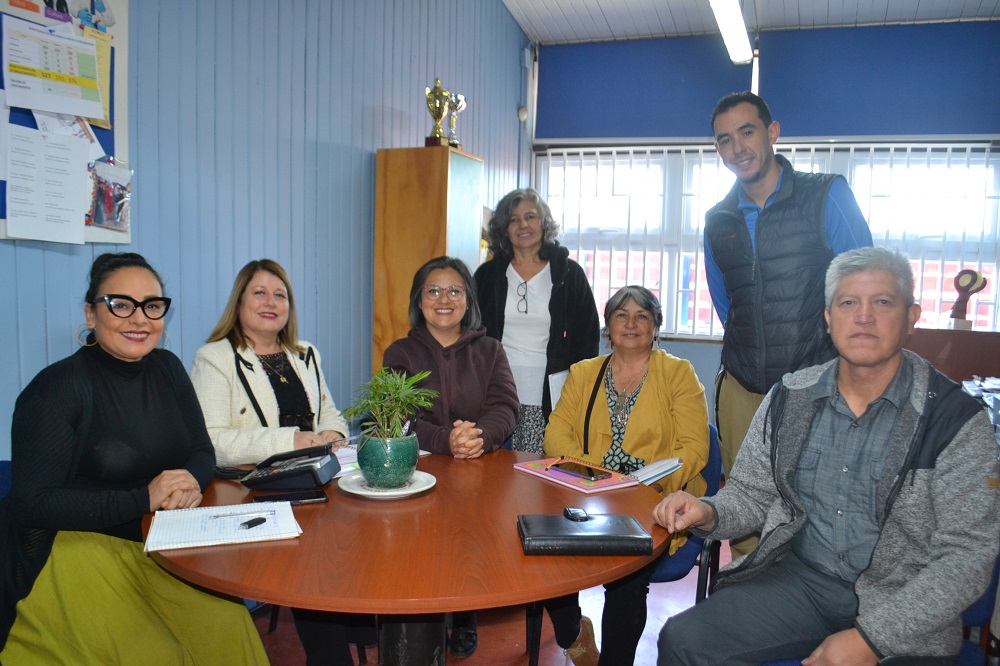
622 397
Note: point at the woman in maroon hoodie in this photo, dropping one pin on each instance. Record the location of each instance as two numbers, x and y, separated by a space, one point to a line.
477 407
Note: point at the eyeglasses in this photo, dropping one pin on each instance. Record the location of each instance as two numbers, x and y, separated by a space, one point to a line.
303 422
522 291
123 306
434 292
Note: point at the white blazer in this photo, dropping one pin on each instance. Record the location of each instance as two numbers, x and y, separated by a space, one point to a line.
233 423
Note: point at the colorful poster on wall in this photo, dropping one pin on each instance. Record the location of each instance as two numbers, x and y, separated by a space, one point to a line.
46 71
103 23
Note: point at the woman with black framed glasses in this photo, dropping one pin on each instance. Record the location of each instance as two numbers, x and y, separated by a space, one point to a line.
98 440
538 303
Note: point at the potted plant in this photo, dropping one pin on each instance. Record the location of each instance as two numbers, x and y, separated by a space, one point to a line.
387 455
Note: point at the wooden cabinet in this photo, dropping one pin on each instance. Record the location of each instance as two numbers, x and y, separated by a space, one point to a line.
428 203
957 353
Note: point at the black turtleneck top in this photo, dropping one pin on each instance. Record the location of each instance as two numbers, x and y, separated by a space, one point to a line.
89 433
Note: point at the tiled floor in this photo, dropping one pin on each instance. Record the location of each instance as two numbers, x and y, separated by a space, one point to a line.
501 631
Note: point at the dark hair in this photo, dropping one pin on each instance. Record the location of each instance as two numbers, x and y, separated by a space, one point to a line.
643 297
496 230
229 327
108 263
732 99
472 319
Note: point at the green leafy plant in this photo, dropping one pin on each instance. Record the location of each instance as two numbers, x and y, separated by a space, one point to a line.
389 400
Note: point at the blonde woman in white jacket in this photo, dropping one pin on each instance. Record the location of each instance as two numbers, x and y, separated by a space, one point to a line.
262 389
262 392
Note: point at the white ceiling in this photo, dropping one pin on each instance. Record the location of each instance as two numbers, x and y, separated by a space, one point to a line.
570 21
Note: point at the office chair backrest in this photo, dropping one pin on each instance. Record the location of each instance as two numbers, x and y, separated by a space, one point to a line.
678 565
713 469
4 478
979 613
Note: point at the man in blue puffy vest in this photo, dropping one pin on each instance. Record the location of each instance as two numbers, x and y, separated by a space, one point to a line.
767 246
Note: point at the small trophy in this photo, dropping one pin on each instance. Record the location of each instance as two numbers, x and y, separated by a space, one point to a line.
437 105
456 104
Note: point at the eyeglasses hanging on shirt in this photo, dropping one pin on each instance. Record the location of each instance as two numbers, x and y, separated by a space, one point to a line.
522 304
303 422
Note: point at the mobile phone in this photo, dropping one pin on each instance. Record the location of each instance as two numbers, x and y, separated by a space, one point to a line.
297 497
582 471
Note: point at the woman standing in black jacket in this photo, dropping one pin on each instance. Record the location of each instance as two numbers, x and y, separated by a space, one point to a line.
538 303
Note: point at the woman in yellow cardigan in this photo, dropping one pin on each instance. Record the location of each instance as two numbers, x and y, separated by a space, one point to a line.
624 411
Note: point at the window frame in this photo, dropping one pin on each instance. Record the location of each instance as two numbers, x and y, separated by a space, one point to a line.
685 199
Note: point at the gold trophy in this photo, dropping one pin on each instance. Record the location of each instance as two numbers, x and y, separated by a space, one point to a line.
456 104
437 105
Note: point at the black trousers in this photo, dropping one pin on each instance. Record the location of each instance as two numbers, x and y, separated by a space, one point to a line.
622 622
326 637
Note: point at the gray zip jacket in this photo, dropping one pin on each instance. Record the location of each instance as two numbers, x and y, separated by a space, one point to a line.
939 523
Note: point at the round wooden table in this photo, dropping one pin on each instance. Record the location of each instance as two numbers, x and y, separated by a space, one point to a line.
452 548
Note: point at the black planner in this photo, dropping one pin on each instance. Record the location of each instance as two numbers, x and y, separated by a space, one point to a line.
599 534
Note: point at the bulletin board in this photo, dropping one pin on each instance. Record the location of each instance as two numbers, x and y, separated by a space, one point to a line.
112 17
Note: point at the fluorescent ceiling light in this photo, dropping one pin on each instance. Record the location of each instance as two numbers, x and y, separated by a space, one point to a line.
729 16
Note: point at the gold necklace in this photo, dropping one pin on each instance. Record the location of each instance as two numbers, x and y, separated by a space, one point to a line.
273 369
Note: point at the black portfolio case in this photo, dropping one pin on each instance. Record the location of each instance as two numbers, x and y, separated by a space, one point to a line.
600 534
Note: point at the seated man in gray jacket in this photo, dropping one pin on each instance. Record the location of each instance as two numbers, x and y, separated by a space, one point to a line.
873 480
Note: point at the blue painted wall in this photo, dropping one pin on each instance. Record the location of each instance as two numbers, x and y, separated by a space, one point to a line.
642 88
938 79
881 81
253 131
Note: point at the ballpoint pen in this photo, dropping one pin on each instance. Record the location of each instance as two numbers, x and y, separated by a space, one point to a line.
253 514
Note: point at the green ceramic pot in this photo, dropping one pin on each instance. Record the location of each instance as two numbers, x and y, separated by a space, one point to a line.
388 463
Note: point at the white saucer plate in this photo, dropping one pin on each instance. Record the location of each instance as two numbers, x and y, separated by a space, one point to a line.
356 485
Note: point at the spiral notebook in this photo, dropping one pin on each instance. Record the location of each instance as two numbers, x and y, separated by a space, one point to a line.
218 525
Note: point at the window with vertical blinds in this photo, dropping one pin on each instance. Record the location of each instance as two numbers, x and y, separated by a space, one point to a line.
635 215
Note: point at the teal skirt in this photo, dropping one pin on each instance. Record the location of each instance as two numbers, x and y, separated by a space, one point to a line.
102 600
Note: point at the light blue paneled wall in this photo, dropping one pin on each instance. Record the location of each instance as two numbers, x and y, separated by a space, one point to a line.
253 133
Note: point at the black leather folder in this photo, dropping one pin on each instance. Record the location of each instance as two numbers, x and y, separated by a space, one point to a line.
600 534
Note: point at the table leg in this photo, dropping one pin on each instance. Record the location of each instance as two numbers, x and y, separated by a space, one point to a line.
412 640
533 630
